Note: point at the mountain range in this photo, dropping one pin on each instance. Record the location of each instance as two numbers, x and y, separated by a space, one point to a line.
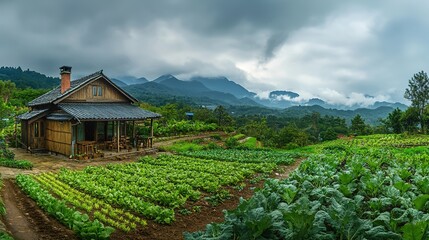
221 90
209 91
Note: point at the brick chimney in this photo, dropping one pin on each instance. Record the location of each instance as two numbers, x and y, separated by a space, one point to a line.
65 72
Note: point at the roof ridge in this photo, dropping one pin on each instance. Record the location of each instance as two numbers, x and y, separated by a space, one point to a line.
89 76
55 93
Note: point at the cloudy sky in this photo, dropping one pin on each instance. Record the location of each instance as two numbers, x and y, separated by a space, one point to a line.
340 51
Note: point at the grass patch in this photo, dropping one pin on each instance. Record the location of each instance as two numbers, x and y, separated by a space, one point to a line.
183 146
239 136
22 164
250 143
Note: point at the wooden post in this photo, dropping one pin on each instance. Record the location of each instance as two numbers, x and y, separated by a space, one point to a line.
16 134
134 133
151 132
118 136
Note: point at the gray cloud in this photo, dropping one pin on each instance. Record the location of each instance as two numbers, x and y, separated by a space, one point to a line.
342 48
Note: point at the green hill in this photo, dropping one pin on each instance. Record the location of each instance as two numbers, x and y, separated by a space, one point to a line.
28 78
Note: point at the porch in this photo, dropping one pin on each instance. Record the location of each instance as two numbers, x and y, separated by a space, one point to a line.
95 139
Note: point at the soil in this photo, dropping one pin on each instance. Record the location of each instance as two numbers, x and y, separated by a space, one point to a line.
25 220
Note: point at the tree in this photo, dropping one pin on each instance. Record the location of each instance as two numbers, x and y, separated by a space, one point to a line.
358 125
393 121
6 90
418 93
222 116
410 119
328 135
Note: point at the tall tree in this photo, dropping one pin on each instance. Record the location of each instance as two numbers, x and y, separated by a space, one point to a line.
410 119
6 90
418 93
393 121
358 125
223 117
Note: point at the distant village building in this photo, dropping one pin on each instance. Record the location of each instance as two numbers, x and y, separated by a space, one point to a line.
83 115
189 115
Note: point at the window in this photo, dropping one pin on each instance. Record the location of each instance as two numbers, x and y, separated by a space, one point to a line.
39 129
97 91
36 129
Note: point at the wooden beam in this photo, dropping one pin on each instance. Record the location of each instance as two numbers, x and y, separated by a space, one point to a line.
134 133
118 136
151 132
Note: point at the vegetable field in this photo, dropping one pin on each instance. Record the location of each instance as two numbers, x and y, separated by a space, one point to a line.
125 196
244 156
364 188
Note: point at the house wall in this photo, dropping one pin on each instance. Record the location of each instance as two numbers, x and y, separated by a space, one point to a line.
58 137
24 133
109 94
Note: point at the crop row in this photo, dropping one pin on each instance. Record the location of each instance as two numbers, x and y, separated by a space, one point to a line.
155 187
104 212
244 156
354 193
76 221
12 163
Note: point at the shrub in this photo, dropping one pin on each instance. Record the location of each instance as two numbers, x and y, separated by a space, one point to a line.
5 153
231 142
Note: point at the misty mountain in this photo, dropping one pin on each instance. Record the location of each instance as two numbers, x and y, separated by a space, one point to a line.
130 80
371 116
223 84
187 87
118 82
192 91
388 104
198 90
282 94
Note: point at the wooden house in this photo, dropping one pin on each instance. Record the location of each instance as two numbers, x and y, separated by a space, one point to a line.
81 116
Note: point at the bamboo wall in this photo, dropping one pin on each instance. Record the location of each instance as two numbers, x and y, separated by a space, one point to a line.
110 94
58 137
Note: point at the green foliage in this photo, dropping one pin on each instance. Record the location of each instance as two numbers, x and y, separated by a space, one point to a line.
231 142
393 121
27 78
418 93
362 188
173 128
11 163
222 116
79 223
5 236
5 153
152 187
6 90
358 126
249 156
182 146
291 135
410 119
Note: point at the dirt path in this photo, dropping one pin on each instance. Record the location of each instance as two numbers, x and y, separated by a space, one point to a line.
26 221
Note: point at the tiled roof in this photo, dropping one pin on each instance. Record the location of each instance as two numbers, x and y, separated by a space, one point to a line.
59 117
56 94
106 111
31 114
